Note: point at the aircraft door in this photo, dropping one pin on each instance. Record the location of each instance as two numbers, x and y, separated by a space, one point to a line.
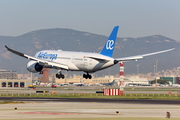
90 62
86 62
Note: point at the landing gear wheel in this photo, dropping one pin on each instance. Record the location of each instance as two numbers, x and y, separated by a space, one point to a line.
59 76
90 76
86 76
62 76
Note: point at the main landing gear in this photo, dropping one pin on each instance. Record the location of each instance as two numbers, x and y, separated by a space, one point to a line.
59 75
86 76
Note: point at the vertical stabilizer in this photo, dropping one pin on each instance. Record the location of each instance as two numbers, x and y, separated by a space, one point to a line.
109 46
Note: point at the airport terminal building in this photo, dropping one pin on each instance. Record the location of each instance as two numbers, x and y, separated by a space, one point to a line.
10 79
8 74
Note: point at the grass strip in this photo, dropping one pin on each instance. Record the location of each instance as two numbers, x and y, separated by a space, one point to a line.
86 95
9 102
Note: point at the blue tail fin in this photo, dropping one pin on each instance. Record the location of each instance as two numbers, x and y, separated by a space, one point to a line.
109 46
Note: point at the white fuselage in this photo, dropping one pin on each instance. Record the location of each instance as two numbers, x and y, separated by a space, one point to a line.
77 61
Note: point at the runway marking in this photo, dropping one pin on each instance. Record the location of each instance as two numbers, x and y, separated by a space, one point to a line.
50 113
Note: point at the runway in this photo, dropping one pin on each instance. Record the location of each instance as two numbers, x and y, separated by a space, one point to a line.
130 101
99 110
88 108
84 108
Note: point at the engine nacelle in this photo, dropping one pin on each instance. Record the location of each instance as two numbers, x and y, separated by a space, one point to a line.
34 67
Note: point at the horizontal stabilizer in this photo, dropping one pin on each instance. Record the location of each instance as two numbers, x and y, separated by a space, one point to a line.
99 59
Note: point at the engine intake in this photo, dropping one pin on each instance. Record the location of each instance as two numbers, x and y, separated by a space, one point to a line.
34 67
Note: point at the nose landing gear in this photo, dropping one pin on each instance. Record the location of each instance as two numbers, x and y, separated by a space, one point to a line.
59 75
41 72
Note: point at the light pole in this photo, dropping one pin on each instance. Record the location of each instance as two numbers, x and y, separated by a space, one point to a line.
137 69
156 70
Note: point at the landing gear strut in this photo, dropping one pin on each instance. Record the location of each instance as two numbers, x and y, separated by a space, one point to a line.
86 76
59 75
41 72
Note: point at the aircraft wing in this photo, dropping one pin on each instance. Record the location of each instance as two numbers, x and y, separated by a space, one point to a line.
41 61
137 57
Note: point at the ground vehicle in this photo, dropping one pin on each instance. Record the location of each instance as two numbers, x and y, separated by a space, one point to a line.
31 86
54 86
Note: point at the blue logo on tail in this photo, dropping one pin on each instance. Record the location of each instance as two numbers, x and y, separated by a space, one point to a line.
109 46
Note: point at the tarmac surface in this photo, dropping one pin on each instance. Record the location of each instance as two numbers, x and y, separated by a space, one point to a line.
35 108
85 108
128 101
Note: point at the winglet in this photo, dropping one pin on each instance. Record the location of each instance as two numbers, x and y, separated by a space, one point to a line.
109 46
15 52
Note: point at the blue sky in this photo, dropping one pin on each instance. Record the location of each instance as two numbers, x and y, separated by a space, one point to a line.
136 18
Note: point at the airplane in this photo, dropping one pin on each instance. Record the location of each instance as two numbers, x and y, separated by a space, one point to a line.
175 85
114 82
78 61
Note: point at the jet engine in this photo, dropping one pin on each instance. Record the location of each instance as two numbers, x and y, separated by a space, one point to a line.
34 66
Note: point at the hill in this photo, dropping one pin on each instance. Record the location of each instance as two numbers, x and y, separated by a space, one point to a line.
73 40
